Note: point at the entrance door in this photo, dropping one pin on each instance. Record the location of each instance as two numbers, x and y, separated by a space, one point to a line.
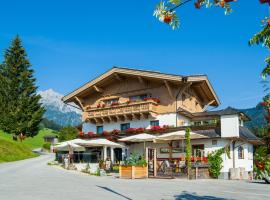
151 158
118 155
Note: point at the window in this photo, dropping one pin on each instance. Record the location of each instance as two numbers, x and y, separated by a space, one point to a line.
154 123
240 152
214 142
111 101
99 129
125 126
198 150
138 97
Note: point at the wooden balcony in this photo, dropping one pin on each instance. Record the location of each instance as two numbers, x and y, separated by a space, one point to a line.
122 112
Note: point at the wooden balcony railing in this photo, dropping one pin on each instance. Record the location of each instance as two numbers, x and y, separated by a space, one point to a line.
133 108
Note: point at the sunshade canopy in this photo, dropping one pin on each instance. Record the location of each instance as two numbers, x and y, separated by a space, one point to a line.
143 137
67 146
178 135
98 143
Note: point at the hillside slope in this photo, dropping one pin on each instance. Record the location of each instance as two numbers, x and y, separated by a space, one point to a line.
256 115
31 142
12 151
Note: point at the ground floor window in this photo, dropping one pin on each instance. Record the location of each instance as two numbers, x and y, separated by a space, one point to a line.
197 150
154 123
99 129
125 126
240 152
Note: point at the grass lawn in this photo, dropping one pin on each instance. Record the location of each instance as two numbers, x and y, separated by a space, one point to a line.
15 150
12 151
31 142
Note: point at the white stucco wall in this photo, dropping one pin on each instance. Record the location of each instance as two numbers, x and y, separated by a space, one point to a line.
164 119
247 162
229 126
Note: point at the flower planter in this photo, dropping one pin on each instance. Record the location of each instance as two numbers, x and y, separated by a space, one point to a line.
133 172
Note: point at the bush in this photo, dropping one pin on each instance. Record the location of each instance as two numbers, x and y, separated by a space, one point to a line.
215 162
46 145
68 133
262 162
136 160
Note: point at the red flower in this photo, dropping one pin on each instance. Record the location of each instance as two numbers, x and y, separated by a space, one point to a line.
106 133
115 131
81 133
266 117
157 100
103 105
130 130
157 129
90 133
98 106
114 104
140 130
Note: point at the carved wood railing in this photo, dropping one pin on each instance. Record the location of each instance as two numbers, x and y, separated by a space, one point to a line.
123 109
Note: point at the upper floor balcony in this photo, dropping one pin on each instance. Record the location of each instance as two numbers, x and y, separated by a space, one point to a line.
121 112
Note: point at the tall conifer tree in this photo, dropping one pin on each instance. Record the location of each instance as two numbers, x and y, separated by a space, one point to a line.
22 111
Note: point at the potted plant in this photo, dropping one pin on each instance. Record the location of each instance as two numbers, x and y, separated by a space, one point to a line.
134 167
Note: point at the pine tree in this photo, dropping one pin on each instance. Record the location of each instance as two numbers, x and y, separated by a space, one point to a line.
22 111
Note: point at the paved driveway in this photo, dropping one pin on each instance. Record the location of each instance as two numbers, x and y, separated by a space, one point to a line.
33 179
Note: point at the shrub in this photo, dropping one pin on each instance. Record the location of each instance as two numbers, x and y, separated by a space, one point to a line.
262 162
215 162
136 160
46 145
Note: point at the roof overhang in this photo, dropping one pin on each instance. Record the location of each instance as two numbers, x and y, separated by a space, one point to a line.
200 81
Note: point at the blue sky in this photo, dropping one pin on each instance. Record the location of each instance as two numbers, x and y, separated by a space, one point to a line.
70 42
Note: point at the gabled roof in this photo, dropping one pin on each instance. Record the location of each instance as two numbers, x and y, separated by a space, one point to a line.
226 111
113 72
245 133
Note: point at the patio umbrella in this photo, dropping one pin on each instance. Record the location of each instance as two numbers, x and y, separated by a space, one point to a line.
177 135
68 146
98 143
143 137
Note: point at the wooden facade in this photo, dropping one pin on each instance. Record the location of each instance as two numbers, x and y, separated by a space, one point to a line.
110 97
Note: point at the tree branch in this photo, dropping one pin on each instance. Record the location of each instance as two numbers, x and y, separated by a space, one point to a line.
181 4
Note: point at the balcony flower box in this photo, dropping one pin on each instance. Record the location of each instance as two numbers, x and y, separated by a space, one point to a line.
134 130
115 131
106 133
133 172
157 100
114 104
90 133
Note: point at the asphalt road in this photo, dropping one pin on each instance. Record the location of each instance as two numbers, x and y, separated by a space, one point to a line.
33 179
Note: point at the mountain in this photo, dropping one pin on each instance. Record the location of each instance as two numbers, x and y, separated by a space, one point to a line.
256 115
57 111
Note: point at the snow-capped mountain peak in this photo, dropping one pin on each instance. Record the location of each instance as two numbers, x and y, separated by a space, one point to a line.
57 111
52 98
